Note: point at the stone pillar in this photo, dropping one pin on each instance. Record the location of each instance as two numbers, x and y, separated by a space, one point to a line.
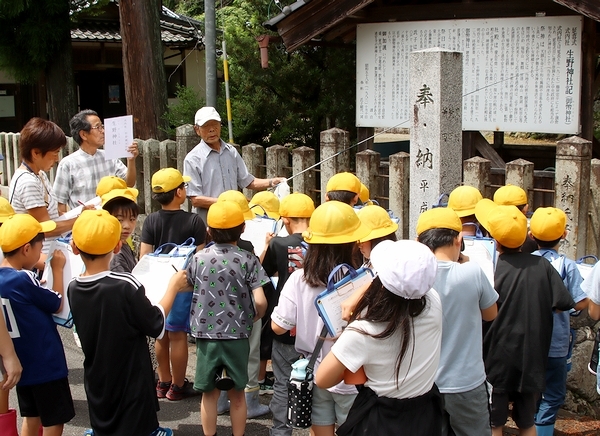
399 182
333 141
476 173
435 92
151 164
185 140
367 170
278 161
593 226
519 172
254 158
168 154
305 183
572 191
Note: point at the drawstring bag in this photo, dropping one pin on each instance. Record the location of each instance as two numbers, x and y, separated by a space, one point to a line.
300 390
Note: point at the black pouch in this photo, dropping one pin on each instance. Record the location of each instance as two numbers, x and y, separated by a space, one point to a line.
593 365
300 394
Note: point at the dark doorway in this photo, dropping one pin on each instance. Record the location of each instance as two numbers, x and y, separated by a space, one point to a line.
102 91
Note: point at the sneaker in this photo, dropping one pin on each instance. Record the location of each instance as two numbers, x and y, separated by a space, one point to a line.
266 387
177 393
162 388
88 432
162 431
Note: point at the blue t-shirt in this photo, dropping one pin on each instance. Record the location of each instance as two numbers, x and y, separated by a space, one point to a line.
559 347
28 309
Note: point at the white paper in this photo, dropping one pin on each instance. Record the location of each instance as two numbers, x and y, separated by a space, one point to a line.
118 136
75 212
330 306
73 267
256 231
482 252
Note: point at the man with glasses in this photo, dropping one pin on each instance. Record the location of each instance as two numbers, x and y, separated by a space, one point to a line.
215 166
78 174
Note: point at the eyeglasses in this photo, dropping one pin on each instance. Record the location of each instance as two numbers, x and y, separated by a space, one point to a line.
100 127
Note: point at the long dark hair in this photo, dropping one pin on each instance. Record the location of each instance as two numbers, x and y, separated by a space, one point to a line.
321 259
396 312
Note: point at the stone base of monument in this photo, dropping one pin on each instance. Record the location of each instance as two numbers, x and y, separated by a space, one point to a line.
567 424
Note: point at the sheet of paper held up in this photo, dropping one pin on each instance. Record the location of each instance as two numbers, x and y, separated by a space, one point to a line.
118 136
76 211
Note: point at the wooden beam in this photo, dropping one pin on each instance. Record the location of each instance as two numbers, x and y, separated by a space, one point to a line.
486 150
589 8
315 18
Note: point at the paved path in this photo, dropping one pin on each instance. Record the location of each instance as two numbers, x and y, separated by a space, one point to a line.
182 416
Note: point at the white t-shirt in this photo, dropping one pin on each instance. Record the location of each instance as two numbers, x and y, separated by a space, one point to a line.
591 285
296 308
379 356
464 290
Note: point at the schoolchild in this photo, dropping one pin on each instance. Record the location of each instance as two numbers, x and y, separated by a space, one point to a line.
113 317
174 225
108 183
283 256
467 297
517 342
121 203
397 343
43 392
364 196
344 187
228 298
591 286
382 229
332 233
548 228
265 203
254 407
511 195
463 200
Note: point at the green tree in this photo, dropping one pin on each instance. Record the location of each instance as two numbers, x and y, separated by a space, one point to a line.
35 38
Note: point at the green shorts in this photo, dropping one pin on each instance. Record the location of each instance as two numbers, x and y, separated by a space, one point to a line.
211 355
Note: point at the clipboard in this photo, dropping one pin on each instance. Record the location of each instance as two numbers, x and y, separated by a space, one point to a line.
256 231
73 267
483 252
328 302
154 270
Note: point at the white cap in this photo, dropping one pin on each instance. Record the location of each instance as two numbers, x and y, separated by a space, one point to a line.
207 113
405 268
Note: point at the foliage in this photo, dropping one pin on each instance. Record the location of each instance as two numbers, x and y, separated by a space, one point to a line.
31 34
300 94
183 111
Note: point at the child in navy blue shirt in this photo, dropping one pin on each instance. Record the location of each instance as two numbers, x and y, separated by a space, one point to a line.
43 391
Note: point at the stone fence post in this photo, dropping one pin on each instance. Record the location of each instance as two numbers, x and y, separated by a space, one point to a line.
476 173
185 139
593 224
150 163
305 183
400 190
278 161
333 141
254 158
572 195
367 170
519 172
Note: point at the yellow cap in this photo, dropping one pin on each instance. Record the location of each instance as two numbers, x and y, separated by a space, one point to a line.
510 195
21 228
96 232
240 199
548 224
463 200
334 222
378 220
6 210
224 214
438 218
364 193
128 193
167 179
265 202
296 205
108 183
344 182
506 224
